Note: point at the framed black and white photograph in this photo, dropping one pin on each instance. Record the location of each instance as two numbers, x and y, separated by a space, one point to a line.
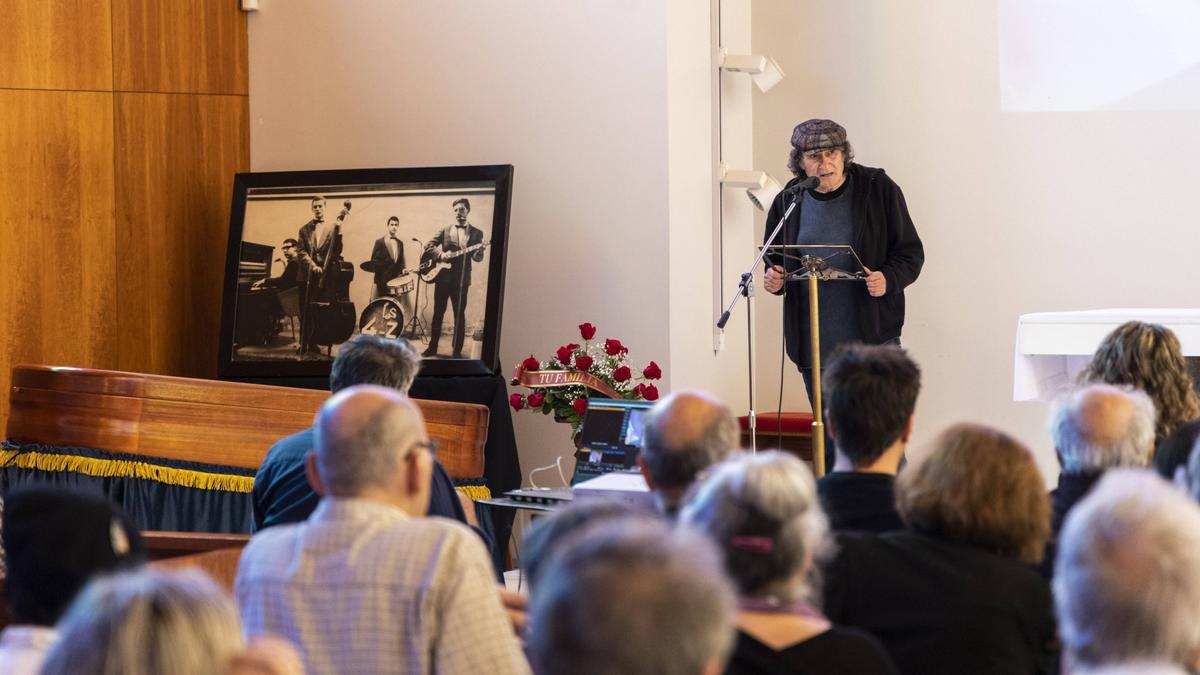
316 257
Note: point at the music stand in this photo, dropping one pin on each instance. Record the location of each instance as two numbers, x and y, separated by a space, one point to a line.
817 263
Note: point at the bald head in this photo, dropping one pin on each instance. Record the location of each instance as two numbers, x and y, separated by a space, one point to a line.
363 435
686 433
1102 426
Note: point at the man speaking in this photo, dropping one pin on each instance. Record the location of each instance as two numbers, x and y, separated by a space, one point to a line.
851 205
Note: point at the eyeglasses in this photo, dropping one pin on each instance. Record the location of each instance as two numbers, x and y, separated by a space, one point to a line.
823 153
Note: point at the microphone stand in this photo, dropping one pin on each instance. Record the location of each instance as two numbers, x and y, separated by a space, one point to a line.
746 289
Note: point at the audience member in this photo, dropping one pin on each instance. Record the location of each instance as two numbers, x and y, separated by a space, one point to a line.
632 598
870 394
282 493
1147 356
1127 578
549 532
1173 452
158 621
953 593
762 513
1098 427
686 432
366 585
1187 477
56 539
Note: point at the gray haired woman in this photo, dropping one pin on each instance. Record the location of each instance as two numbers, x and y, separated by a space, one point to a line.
763 513
160 621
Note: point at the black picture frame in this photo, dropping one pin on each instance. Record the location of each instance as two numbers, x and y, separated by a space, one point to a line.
265 324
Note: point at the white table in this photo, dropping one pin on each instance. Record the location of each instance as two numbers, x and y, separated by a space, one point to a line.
1052 347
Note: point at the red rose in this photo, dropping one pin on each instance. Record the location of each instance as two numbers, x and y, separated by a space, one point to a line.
580 405
614 347
621 374
564 353
652 371
649 392
516 401
536 400
530 363
587 330
583 362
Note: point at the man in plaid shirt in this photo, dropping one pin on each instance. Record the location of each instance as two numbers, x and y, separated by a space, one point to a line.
367 585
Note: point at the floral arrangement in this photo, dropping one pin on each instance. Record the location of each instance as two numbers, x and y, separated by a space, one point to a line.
592 365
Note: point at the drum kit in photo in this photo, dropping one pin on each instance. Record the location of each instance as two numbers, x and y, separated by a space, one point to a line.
393 314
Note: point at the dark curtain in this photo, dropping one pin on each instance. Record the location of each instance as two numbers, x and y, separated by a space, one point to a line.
501 465
153 504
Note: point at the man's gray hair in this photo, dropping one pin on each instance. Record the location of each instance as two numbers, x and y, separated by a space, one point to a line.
763 513
631 596
368 454
685 433
1127 577
148 621
1082 448
374 359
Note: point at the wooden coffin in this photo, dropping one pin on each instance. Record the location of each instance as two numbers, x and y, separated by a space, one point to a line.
179 418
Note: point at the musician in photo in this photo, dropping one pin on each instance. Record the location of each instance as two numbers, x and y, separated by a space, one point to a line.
454 249
291 269
387 258
320 245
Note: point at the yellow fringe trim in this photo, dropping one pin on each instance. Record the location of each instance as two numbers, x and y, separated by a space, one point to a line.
475 492
119 468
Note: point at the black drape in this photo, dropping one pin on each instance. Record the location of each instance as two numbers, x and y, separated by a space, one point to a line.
157 493
501 465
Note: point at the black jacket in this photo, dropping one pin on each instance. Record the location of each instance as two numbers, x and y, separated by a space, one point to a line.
282 495
859 501
1072 488
942 608
884 238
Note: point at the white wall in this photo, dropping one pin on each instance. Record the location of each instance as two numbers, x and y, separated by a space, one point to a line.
601 106
711 231
1019 212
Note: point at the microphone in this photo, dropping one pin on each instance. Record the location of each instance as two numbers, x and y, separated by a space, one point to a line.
806 184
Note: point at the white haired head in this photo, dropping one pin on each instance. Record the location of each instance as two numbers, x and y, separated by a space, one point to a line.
1102 426
1127 577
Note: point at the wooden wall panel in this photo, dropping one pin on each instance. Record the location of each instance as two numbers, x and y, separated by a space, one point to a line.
57 239
55 44
192 46
175 160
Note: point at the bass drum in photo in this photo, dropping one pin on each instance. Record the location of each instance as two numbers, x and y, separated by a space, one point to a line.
382 317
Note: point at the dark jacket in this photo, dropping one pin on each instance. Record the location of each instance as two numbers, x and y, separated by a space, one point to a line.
942 608
1072 488
458 274
281 492
288 279
884 239
859 501
385 268
318 251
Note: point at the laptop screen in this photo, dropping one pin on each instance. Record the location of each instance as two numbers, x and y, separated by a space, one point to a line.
612 433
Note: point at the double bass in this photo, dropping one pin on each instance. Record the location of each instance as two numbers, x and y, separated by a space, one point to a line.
330 311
